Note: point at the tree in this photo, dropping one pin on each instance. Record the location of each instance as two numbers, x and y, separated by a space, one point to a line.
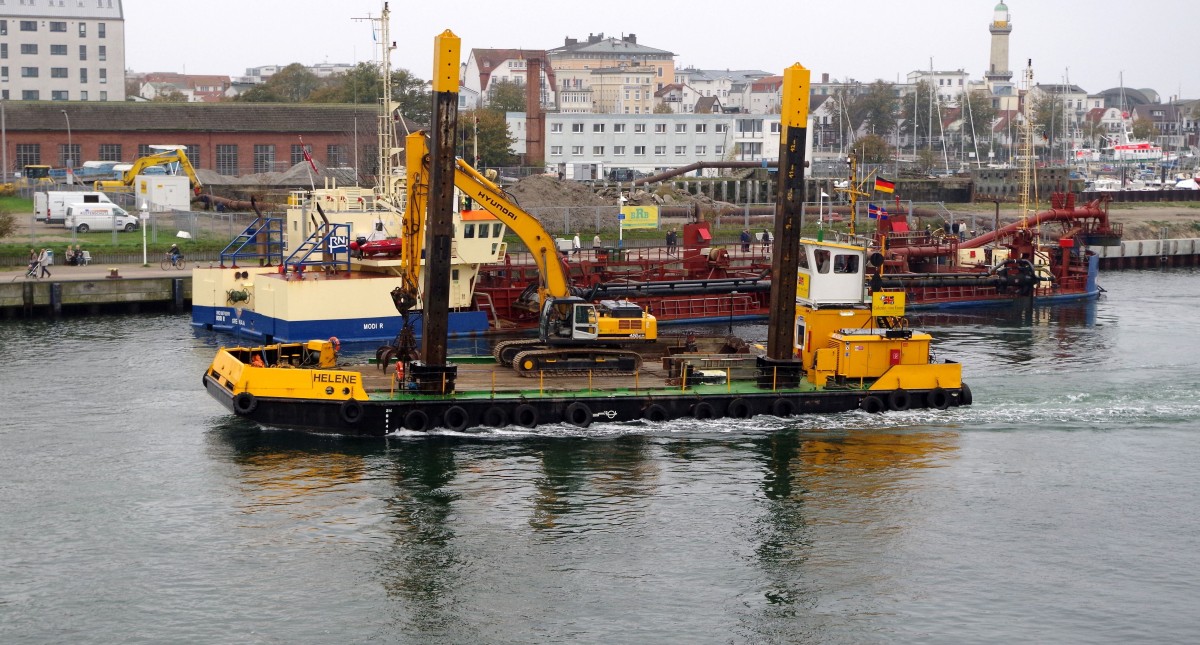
1143 129
663 108
926 160
494 139
173 96
292 84
413 95
359 85
915 111
872 109
506 96
873 149
1048 117
133 88
978 116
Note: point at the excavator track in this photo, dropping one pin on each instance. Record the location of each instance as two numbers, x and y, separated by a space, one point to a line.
576 362
505 350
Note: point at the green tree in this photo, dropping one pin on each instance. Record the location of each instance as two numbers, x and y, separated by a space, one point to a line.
8 224
1047 118
494 139
873 149
1143 129
173 96
292 84
414 96
926 160
506 96
359 85
663 108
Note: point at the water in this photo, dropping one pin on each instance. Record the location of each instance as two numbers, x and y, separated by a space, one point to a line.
1059 508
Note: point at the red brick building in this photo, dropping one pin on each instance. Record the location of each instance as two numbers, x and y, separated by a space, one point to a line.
228 138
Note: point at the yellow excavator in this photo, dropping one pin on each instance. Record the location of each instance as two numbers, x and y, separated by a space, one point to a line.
575 336
166 155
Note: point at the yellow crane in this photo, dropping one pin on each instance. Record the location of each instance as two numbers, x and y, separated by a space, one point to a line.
166 155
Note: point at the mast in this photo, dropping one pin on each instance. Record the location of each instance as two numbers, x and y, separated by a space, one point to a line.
389 186
1027 181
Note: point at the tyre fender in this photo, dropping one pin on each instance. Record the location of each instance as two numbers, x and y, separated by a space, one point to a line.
495 417
656 413
702 410
872 404
245 403
938 398
739 409
351 411
579 415
526 416
457 418
899 400
783 408
416 420
964 396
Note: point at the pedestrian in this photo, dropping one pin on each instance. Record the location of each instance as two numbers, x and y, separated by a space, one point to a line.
745 240
766 240
596 243
43 262
575 244
32 270
672 240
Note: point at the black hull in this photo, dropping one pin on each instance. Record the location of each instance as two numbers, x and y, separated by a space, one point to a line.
377 418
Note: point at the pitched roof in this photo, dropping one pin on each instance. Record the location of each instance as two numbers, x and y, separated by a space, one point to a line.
490 60
708 105
129 116
611 46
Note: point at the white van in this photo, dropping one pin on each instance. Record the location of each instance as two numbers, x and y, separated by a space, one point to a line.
99 217
57 202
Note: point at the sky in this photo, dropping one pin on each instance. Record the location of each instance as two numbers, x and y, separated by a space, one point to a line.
1090 44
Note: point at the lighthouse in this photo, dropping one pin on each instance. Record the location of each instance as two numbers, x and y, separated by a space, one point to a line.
1001 27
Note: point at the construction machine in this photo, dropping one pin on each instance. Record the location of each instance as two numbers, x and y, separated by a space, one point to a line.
574 335
166 155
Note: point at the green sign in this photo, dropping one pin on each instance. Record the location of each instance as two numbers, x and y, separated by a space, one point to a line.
639 217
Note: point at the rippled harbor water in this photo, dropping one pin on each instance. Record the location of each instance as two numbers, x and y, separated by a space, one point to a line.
1061 507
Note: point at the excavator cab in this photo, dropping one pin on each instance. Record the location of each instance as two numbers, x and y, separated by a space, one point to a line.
569 320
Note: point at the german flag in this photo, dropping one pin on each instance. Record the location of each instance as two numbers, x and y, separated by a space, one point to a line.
884 186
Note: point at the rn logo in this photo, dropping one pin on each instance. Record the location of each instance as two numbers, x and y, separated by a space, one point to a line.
338 243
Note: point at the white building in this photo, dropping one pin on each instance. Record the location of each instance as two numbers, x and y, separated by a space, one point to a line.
946 84
72 51
484 67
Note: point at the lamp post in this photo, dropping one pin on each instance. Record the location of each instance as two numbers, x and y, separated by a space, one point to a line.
70 150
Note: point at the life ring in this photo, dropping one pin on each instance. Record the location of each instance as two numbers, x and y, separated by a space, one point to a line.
579 415
416 420
656 413
351 411
456 417
245 403
739 409
783 408
526 416
702 410
899 400
872 405
495 417
964 395
937 398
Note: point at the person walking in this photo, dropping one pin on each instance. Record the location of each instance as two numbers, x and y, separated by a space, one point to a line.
745 240
766 240
575 245
597 244
43 261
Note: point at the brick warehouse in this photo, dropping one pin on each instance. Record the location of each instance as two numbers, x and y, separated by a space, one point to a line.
228 138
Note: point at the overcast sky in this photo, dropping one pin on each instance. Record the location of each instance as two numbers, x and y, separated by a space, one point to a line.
1090 43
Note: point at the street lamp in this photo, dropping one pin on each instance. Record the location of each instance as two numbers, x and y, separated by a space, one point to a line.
70 149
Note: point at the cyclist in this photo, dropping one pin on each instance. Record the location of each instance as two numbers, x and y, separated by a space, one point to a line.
175 253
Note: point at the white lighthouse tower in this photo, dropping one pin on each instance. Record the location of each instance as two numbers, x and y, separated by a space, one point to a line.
1001 27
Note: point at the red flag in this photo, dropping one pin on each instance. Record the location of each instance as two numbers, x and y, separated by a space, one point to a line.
307 157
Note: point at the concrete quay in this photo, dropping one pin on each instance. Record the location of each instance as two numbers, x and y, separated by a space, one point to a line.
125 288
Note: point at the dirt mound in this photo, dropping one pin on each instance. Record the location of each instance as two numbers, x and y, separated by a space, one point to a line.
537 191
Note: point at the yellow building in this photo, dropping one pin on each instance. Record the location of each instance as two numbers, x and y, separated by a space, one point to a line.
584 69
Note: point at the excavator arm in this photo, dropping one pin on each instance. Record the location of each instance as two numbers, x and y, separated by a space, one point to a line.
139 166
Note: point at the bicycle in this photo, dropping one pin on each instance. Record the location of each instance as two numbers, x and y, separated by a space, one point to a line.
172 261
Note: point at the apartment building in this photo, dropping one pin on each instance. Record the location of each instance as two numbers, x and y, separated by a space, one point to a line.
62 51
487 66
577 63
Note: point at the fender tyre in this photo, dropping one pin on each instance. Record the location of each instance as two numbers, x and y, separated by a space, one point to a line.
938 399
656 413
783 408
457 418
351 411
702 410
739 409
872 405
899 400
495 417
245 404
964 396
416 420
579 415
526 416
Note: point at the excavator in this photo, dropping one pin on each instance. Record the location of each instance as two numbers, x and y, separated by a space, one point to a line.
575 336
166 155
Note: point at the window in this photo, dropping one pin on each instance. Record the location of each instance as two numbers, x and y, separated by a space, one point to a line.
749 125
58 50
619 151
29 72
680 128
3 27
701 150
597 127
83 52
701 127
110 152
597 151
335 155
720 127
28 25
774 128
58 25
576 151
227 159
4 94
660 150
3 50
822 258
29 154
556 127
639 128
660 128
83 30
83 95
101 30
577 127
31 95
718 150
68 155
680 151
28 48
58 95
144 150
639 151
298 153
103 52
618 128
82 74
103 95
192 150
845 263
103 75
264 157
58 72
4 73
555 151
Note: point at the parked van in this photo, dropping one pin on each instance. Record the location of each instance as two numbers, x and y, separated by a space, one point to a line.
57 202
99 217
